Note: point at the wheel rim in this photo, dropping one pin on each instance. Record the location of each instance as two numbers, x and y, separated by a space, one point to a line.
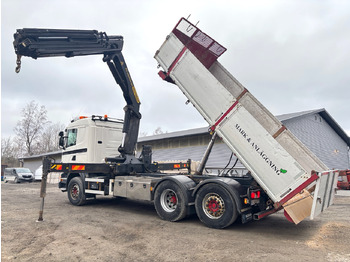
74 192
168 200
213 206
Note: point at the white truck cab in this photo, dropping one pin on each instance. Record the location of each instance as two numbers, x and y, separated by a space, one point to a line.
91 139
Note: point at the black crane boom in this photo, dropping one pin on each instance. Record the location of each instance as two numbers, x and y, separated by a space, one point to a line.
38 43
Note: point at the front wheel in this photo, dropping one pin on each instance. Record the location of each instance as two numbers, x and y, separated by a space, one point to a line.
215 206
75 191
169 201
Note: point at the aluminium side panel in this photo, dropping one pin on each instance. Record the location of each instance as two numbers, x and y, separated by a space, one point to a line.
271 165
169 51
324 192
306 158
209 97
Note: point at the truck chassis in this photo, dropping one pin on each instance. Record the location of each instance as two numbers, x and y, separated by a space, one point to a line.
218 201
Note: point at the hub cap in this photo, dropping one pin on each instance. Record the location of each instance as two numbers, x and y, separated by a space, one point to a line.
213 206
168 200
74 191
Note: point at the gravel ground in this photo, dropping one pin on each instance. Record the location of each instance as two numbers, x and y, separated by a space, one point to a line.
110 229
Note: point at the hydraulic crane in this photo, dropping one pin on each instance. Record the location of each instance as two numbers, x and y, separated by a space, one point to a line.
38 43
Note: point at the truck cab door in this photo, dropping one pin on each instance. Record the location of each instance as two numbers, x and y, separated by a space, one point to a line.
76 148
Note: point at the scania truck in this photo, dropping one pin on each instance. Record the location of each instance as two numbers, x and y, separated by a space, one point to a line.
282 173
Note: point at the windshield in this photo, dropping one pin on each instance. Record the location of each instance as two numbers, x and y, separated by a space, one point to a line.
22 170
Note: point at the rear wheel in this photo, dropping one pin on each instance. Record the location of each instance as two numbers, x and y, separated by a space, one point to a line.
215 206
75 191
169 201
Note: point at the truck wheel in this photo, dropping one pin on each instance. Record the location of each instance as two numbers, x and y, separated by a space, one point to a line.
75 191
169 201
215 206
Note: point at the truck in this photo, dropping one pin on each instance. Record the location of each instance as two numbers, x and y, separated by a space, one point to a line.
282 173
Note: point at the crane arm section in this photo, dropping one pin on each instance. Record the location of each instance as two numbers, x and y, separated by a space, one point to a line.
38 43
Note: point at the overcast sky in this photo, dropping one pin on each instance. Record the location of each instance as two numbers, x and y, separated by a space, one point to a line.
291 55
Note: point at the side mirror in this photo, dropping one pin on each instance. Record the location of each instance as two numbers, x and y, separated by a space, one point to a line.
61 140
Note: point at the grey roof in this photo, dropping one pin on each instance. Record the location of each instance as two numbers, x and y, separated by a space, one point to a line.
189 132
325 115
41 155
285 117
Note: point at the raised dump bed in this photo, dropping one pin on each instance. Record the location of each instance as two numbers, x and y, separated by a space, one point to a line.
277 160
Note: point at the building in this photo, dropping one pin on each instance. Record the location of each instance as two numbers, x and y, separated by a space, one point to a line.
315 128
34 162
322 135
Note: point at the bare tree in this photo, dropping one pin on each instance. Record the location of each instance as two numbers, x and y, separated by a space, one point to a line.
49 138
9 152
158 131
30 128
143 134
6 149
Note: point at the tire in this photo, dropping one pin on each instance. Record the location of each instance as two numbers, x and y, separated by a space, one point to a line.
215 206
16 180
169 201
75 192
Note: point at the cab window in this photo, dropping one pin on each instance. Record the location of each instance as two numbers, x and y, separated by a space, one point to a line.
72 137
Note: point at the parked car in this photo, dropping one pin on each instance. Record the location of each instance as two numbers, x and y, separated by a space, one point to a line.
18 174
38 173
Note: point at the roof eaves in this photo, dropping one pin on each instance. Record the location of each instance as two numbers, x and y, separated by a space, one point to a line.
41 155
286 117
189 132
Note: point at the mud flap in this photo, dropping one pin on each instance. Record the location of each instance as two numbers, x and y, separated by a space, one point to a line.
324 192
246 216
